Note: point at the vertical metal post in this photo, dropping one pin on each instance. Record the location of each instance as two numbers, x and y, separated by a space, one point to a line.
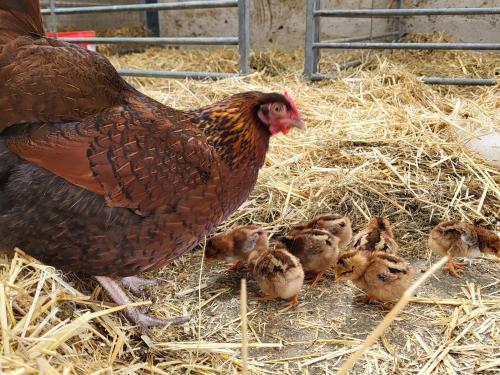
398 19
53 18
152 19
244 35
311 55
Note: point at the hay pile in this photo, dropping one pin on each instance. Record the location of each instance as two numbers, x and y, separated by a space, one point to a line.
380 142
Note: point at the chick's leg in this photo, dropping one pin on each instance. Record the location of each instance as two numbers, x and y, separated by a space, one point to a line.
294 300
265 298
374 301
137 284
317 278
234 267
453 268
118 295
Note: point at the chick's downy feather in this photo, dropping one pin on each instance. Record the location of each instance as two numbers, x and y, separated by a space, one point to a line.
278 273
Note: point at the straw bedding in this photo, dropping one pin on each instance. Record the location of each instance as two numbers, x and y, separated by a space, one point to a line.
379 142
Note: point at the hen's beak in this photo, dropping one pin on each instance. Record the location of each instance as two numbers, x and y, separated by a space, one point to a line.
297 123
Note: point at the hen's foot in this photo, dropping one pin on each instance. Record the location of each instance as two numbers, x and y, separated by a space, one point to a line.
136 284
134 313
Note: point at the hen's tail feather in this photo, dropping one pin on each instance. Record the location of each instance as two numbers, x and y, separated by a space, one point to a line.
19 17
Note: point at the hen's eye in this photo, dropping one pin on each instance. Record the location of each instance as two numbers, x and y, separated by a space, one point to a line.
277 108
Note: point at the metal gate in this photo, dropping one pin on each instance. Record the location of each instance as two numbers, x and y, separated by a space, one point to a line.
313 43
242 40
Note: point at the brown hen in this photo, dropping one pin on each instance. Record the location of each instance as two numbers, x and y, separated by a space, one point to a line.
96 177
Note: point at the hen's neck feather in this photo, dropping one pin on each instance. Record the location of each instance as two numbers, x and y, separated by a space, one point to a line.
233 129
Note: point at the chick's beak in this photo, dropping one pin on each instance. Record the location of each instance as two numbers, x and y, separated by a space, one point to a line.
298 123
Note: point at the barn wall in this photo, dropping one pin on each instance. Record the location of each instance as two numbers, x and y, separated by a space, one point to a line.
274 23
98 21
281 23
484 29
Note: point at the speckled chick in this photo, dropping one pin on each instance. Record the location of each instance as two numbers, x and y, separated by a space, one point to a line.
384 277
457 239
317 249
336 224
278 273
377 236
235 245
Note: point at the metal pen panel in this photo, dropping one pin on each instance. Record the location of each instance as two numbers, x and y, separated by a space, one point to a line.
362 38
142 7
242 40
312 44
358 13
312 36
215 41
459 81
244 35
448 46
174 74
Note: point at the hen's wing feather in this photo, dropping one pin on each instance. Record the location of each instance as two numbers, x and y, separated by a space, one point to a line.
131 154
43 80
19 17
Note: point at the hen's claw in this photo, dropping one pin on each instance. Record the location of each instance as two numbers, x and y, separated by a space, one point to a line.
134 313
136 284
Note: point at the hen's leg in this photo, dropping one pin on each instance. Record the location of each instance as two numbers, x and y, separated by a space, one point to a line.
453 268
120 297
137 284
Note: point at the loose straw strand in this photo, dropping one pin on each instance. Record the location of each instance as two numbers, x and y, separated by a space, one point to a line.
244 327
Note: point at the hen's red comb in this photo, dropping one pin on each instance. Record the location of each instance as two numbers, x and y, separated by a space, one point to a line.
293 107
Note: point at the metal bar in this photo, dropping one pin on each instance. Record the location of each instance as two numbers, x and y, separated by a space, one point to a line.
459 81
141 7
317 32
310 63
157 40
431 80
53 18
152 19
405 12
360 38
346 65
244 35
445 46
174 74
398 19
